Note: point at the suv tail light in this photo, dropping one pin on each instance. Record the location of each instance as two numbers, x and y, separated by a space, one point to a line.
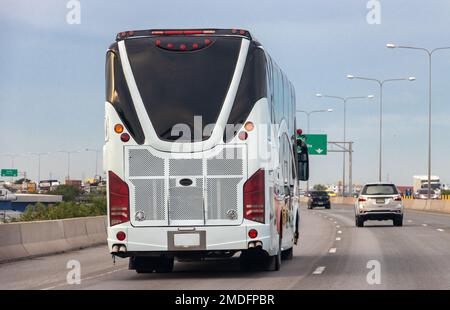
254 197
119 207
398 198
362 199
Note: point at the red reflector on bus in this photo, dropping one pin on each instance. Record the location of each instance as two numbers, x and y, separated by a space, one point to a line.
125 137
207 41
119 208
254 197
253 233
121 236
243 135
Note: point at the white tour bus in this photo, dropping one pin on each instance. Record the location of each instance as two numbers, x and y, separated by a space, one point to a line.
200 150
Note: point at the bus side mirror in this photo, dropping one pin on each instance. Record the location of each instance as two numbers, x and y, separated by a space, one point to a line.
303 161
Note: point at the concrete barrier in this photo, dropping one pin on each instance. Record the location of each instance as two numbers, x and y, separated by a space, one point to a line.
442 206
28 239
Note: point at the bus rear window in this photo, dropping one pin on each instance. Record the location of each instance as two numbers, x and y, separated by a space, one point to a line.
178 84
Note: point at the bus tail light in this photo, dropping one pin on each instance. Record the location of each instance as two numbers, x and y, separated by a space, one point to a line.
254 198
119 207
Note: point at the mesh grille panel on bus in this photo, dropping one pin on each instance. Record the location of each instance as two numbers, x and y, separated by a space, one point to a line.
227 162
143 163
185 167
149 197
222 197
186 202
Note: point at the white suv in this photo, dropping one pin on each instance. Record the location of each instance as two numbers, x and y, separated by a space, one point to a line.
379 201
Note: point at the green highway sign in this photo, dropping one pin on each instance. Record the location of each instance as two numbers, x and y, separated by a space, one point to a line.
317 144
9 173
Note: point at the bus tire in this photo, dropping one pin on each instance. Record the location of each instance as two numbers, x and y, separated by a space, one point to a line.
274 262
287 254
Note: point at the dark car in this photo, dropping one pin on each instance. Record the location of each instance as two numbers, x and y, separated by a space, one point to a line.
318 199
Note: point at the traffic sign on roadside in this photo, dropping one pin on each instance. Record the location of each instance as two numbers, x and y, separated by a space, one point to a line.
9 173
317 144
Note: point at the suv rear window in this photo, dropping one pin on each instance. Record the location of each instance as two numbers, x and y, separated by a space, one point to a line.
379 189
319 194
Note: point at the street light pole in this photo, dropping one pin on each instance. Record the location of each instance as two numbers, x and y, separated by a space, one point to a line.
344 101
308 116
68 161
96 159
380 84
39 164
430 54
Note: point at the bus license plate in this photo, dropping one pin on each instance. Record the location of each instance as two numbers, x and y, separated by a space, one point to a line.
186 240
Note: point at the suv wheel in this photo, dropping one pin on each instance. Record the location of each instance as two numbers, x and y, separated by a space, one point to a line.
359 222
398 221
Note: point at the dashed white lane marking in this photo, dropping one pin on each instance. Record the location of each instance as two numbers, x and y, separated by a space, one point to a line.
84 279
338 238
339 232
440 229
332 250
410 221
337 226
424 225
319 270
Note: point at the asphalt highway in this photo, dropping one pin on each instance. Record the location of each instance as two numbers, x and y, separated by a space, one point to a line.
332 254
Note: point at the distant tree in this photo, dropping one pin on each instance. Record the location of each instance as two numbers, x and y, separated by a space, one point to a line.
69 192
22 180
319 187
445 192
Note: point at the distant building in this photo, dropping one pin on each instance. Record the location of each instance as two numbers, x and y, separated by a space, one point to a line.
75 183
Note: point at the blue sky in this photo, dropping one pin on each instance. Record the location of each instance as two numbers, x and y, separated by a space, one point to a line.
52 81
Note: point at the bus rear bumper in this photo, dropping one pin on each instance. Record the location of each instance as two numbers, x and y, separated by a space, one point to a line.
161 239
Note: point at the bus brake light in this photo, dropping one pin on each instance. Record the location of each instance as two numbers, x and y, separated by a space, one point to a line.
119 207
254 198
